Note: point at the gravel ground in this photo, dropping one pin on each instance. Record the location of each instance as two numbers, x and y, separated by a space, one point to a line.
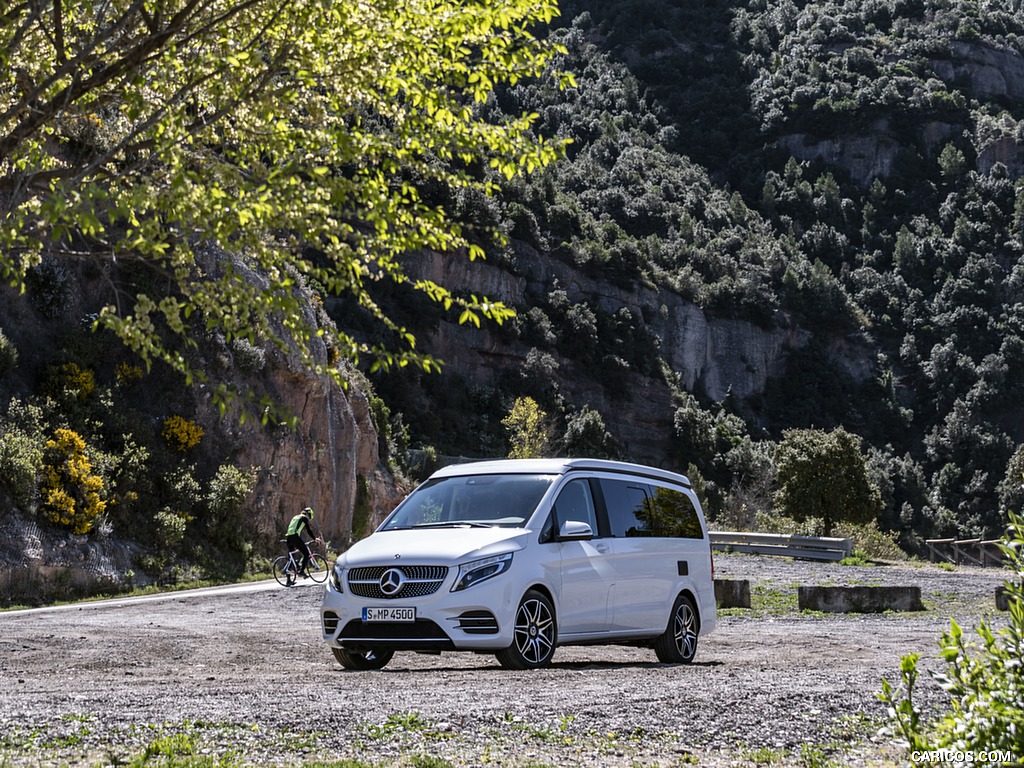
244 673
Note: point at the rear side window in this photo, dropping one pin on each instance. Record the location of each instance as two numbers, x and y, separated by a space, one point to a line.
638 509
673 514
628 507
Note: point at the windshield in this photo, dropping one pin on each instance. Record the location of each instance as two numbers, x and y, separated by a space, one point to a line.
474 500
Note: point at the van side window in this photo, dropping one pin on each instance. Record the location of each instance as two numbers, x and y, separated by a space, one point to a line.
628 508
575 503
672 514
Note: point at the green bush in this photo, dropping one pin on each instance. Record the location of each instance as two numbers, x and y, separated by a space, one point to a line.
529 432
824 475
21 456
170 531
985 683
226 503
49 284
248 357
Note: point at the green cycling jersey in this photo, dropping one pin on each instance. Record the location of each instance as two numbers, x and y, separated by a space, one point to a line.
299 523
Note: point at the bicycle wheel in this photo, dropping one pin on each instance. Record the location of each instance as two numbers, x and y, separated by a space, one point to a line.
282 572
318 568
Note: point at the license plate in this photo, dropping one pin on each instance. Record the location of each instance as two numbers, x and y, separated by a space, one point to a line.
389 614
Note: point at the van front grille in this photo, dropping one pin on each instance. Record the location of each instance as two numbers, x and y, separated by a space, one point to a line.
386 582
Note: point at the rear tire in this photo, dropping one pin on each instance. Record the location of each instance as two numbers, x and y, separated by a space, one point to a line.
534 635
317 568
678 643
362 659
284 576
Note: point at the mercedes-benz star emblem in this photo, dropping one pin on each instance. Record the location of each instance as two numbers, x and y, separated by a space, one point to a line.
392 581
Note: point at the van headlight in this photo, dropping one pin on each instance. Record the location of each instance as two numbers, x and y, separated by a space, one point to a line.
335 577
481 570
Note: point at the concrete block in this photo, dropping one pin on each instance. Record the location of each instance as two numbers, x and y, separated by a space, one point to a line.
859 599
732 593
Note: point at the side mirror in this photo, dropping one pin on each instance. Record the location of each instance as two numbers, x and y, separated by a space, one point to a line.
575 530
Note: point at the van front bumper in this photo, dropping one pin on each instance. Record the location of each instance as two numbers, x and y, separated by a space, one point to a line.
444 621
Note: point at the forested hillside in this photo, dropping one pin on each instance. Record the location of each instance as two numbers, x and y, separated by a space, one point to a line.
886 140
776 229
851 171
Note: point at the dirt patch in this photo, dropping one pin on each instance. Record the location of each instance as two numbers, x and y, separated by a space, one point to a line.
246 673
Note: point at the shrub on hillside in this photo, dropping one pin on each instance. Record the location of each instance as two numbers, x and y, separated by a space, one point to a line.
20 458
126 373
226 503
181 433
586 435
49 284
528 429
70 381
170 531
70 493
248 357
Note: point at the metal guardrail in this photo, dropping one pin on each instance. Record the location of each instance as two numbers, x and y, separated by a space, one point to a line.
805 547
965 551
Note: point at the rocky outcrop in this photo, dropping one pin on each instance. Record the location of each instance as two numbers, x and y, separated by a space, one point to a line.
332 448
982 72
327 461
865 158
319 464
709 356
1006 151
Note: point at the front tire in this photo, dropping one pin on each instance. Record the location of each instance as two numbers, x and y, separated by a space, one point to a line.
534 634
362 660
678 643
317 569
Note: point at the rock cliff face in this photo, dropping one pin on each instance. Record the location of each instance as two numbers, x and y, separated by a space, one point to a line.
319 464
328 461
710 357
979 72
865 158
983 72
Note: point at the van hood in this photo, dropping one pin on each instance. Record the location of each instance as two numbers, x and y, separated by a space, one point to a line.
433 546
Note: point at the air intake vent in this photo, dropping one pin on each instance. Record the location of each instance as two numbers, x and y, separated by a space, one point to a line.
478 623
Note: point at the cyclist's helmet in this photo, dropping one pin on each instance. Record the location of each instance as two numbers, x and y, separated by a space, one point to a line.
308 511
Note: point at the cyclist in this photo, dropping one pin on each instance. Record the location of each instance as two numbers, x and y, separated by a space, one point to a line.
302 522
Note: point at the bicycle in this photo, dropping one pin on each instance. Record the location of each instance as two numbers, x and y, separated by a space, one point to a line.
286 567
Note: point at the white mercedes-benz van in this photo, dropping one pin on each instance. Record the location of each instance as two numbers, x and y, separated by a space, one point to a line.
517 557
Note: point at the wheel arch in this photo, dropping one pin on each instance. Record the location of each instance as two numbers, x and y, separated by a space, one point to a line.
545 590
687 592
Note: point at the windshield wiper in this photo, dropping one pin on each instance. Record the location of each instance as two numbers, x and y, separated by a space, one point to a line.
453 524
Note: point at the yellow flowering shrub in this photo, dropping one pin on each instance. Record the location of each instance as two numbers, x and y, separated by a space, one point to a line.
181 434
126 373
70 494
78 381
